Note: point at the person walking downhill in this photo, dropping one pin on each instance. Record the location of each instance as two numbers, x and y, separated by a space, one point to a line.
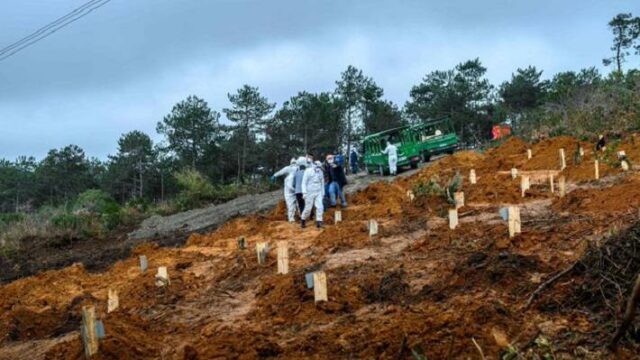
297 182
338 181
289 188
313 193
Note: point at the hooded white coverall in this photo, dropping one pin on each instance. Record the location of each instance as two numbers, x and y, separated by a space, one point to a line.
392 151
313 191
289 189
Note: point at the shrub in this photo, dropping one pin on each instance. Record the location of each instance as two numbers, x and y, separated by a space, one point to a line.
196 189
433 188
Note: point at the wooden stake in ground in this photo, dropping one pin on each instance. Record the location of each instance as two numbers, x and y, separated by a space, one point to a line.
261 251
514 173
143 263
596 166
525 184
581 151
338 216
472 176
551 184
453 218
88 331
283 257
458 197
411 195
563 161
529 154
162 277
514 221
320 286
562 184
373 228
112 301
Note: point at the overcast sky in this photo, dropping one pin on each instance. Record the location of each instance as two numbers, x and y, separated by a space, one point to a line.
125 65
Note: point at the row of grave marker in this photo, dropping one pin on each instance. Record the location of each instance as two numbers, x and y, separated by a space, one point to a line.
92 329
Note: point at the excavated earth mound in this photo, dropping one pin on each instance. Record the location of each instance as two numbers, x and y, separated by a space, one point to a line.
416 288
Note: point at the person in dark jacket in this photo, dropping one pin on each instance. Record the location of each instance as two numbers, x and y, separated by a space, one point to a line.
353 161
600 145
338 180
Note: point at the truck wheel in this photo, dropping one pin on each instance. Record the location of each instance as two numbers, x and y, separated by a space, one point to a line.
414 164
426 157
366 170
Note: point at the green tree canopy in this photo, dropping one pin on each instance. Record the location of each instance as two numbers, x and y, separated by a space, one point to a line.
248 112
190 129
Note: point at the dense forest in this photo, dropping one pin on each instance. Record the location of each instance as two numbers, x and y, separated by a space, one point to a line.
222 153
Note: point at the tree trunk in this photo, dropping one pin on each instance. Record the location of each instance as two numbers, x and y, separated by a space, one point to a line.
619 58
161 186
349 115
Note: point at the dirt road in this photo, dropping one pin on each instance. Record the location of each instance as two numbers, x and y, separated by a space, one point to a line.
206 219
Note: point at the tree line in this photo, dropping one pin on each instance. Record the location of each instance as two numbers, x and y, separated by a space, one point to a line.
258 138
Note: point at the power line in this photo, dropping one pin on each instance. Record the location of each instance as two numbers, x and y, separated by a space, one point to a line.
48 26
52 28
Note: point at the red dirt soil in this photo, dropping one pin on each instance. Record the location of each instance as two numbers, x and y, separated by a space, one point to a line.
418 287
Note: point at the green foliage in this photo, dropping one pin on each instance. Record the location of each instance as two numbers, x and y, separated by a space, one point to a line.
461 94
626 31
191 129
433 188
9 218
249 113
453 185
430 188
196 189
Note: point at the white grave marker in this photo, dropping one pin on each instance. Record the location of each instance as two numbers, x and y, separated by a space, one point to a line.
262 248
514 221
453 218
373 228
320 286
458 197
162 277
112 301
283 257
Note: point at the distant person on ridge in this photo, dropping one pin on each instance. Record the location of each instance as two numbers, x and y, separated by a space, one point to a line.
353 161
392 151
289 188
600 145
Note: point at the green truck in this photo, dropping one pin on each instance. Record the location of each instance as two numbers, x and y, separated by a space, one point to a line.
408 150
435 137
417 142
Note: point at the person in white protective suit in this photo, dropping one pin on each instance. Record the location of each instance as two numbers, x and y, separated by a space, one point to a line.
289 188
392 151
313 193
